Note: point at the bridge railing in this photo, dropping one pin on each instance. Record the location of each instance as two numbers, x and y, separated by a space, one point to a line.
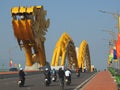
12 74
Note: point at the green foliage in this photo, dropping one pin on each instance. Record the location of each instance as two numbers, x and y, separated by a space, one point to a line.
112 71
117 77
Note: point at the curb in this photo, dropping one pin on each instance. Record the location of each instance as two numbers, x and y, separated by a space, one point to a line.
82 84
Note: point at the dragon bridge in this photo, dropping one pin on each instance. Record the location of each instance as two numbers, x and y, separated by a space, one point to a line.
30 27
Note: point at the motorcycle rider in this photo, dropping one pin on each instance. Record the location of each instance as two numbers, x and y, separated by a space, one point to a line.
47 74
54 73
77 72
22 76
68 74
61 75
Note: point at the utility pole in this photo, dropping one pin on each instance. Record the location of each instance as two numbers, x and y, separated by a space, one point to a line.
116 16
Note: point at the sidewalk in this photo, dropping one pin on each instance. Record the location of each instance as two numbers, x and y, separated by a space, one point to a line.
102 81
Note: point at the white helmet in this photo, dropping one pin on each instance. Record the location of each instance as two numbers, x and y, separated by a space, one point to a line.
46 69
21 68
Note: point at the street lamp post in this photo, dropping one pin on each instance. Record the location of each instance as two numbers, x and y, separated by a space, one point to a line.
117 16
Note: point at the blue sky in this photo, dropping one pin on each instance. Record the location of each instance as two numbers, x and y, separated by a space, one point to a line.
79 18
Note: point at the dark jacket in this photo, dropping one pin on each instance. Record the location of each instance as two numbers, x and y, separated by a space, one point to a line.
47 74
21 74
53 72
61 73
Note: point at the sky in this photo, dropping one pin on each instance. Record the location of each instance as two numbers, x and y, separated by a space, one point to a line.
81 19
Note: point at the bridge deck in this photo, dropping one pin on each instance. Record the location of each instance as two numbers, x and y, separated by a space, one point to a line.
102 81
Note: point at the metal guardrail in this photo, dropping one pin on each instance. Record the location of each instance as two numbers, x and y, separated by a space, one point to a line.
15 74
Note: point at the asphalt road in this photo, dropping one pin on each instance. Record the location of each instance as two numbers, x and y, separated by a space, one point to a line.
36 82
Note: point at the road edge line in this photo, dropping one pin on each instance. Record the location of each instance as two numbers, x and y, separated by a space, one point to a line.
82 84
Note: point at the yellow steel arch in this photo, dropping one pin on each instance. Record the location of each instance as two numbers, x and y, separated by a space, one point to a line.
84 56
30 27
64 48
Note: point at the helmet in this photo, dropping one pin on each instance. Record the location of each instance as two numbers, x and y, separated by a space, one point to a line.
46 69
21 68
60 68
53 68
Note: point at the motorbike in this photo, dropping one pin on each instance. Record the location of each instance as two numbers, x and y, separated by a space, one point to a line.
61 82
77 74
54 77
67 80
47 82
20 82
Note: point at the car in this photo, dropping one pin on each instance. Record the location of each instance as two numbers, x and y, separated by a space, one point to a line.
13 69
